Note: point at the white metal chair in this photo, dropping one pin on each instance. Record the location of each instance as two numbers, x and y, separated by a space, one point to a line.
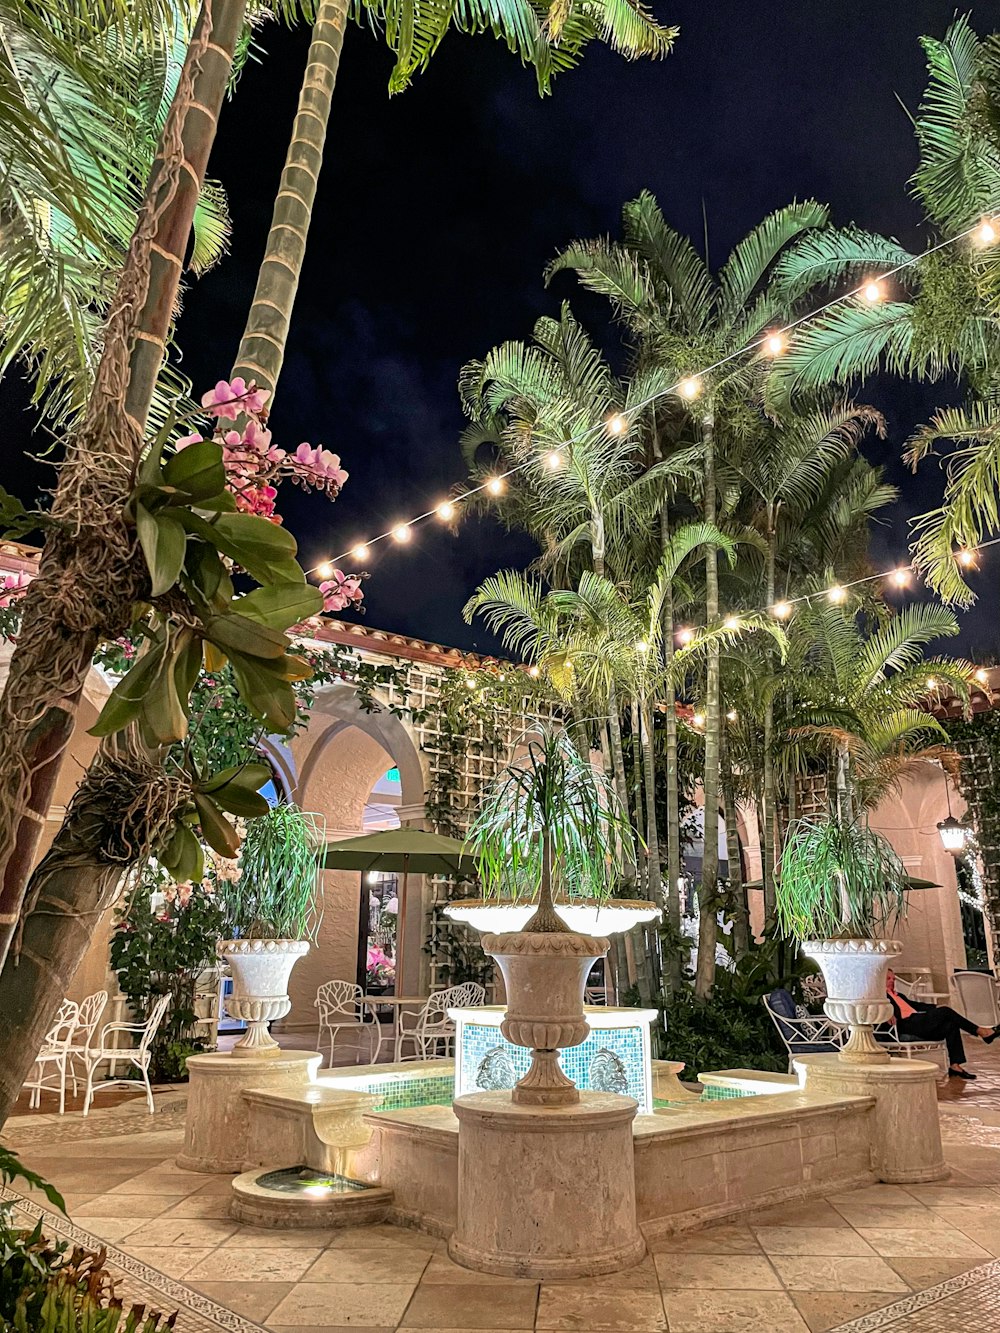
55 1050
976 996
342 1009
139 1055
432 1024
91 1010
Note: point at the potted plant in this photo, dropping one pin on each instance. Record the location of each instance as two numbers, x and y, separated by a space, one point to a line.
548 820
272 914
841 889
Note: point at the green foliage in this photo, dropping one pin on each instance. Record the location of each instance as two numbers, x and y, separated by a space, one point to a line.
550 795
838 879
163 952
727 1031
275 895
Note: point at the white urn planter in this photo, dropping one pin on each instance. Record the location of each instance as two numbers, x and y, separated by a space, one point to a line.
855 974
545 973
260 969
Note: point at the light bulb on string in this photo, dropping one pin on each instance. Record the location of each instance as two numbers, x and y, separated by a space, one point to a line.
360 552
781 610
642 646
495 485
732 715
690 387
685 636
401 532
731 622
553 460
983 676
836 593
470 682
900 577
987 233
617 423
873 291
325 569
965 557
445 511
775 344
533 672
931 683
698 719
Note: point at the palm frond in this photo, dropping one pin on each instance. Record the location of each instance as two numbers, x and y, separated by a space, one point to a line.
748 265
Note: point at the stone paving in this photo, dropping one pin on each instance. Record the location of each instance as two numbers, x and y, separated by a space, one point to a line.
906 1260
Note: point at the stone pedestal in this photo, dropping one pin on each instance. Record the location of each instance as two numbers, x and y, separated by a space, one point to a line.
546 1192
906 1131
216 1130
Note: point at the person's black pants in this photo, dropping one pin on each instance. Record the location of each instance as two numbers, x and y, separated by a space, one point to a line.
940 1024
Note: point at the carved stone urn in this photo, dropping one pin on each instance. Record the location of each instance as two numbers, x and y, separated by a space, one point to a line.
855 974
260 969
545 968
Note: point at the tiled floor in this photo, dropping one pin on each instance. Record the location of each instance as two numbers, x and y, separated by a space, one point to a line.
814 1266
913 1260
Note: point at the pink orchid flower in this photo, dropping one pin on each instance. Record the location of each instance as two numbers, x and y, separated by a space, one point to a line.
185 440
232 400
341 591
12 586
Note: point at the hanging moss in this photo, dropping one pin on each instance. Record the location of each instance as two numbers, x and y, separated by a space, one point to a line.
941 311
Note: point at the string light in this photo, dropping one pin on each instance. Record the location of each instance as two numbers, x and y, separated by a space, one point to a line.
985 232
775 344
901 577
685 636
470 683
931 683
732 715
446 511
698 719
533 672
642 646
781 610
965 557
983 676
553 460
401 532
731 622
836 593
325 569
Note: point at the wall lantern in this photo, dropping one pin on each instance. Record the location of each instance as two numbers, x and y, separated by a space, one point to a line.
954 834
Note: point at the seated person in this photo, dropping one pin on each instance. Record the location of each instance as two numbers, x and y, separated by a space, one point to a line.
936 1022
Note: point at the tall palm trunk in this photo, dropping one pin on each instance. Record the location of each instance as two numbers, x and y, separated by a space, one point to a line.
262 348
673 895
708 889
655 880
737 893
768 821
91 572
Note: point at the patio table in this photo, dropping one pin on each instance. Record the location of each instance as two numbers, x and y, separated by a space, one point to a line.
397 1002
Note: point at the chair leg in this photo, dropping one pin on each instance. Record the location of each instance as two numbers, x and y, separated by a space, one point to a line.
62 1086
89 1095
375 1046
144 1067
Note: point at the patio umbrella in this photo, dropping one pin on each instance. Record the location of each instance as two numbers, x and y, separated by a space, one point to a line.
911 883
402 850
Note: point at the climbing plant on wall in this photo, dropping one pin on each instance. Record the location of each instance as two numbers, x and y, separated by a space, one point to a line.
977 741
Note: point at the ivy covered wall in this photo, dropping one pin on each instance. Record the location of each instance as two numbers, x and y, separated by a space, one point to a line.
977 741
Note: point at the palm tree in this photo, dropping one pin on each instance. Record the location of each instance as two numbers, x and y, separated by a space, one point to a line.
683 320
84 92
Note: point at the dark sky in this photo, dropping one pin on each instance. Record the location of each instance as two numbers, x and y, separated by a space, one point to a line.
438 209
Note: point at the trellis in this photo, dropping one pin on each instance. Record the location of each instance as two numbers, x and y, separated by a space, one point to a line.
500 706
978 779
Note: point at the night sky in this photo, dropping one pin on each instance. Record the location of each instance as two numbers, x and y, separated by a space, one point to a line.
439 208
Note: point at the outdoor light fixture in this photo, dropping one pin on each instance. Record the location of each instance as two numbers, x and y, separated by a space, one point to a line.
965 557
689 388
685 635
900 577
360 552
983 676
774 344
731 622
698 719
553 460
324 569
401 532
986 233
446 511
931 683
533 671
642 646
873 291
732 715
954 834
495 485
781 610
836 593
617 424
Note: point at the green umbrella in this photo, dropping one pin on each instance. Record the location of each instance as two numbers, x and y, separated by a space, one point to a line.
402 850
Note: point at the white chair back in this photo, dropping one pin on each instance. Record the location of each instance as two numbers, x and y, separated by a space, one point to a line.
338 999
435 1012
976 997
152 1023
60 1034
90 1015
